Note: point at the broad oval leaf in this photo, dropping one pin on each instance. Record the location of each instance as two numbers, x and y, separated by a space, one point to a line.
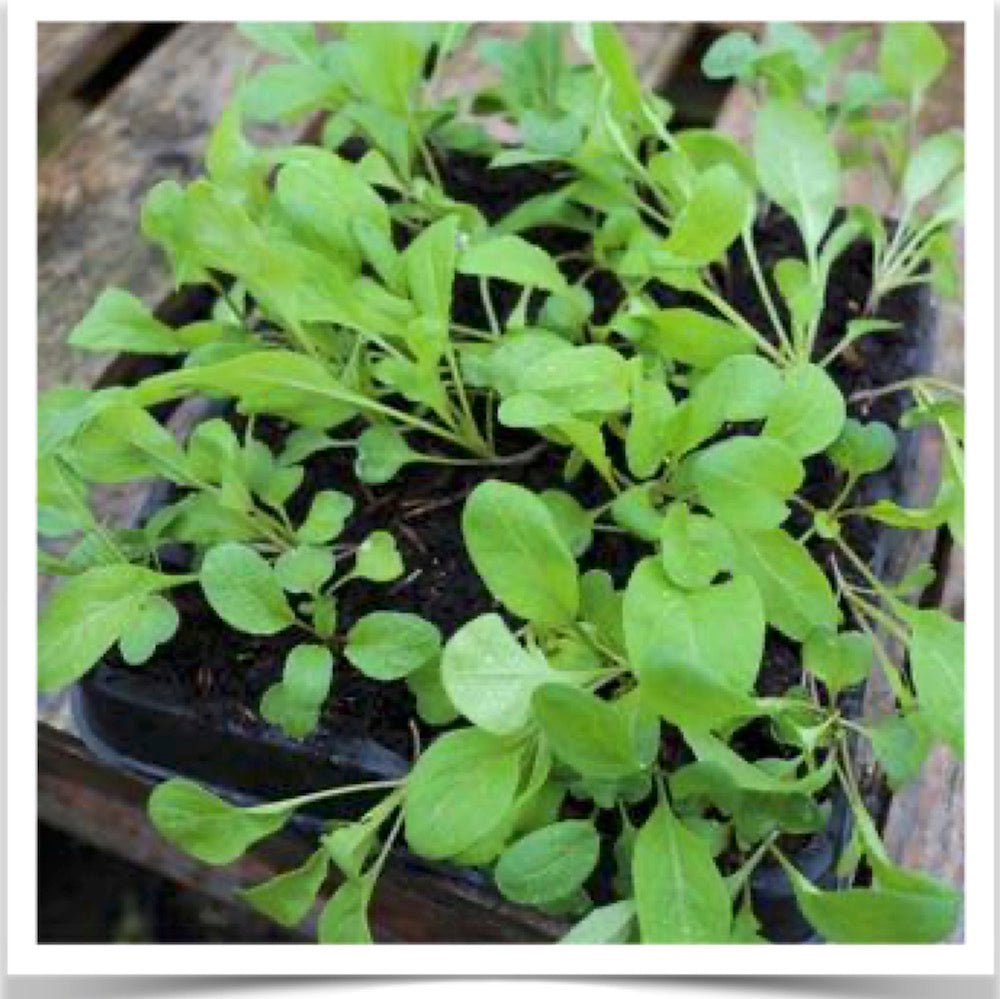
714 216
288 897
797 165
520 554
344 919
459 789
120 321
808 415
606 924
387 645
513 259
243 590
695 337
294 702
548 864
937 658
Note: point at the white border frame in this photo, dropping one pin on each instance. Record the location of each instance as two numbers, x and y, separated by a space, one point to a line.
974 956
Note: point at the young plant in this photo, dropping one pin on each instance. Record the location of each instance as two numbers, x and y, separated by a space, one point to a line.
605 711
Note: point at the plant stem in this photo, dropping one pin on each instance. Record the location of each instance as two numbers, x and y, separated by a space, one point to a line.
911 384
734 317
331 792
491 316
764 292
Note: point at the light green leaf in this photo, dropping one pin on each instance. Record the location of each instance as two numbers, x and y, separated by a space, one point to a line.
327 516
797 596
520 554
900 744
572 521
745 480
694 548
937 659
304 569
513 259
839 660
711 220
287 898
243 590
648 438
911 57
680 895
697 653
808 415
206 827
294 703
344 919
459 789
154 622
863 448
87 615
587 733
430 267
797 166
120 321
589 379
908 907
490 678
382 452
931 164
387 645
548 864
378 558
694 337
606 924
286 90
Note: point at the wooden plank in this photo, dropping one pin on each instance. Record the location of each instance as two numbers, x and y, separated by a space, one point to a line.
152 127
105 806
70 52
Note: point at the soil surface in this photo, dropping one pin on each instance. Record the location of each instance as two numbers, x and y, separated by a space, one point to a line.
221 675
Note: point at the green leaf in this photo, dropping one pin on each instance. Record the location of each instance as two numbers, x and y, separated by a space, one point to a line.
513 259
458 790
519 553
797 596
911 57
430 267
382 452
696 654
839 660
572 521
930 165
714 216
304 569
587 733
745 480
286 90
87 615
327 516
694 548
287 898
490 678
907 908
291 39
154 622
548 864
809 413
680 895
378 559
694 337
900 744
387 645
937 660
797 166
606 924
648 438
612 56
433 703
243 590
205 826
120 321
294 703
730 55
344 919
863 448
919 518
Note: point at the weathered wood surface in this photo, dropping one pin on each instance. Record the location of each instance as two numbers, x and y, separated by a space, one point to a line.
106 807
152 127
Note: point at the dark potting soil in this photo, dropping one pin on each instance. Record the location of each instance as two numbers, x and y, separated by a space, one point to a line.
222 674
